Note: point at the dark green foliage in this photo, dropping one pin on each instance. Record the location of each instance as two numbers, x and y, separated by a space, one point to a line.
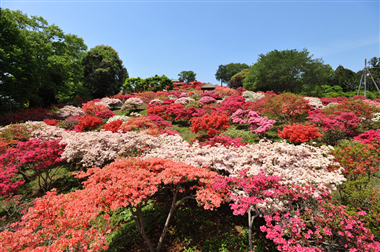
156 83
187 76
52 61
287 71
345 78
225 72
104 73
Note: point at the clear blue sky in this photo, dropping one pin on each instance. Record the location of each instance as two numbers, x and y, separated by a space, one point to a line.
167 37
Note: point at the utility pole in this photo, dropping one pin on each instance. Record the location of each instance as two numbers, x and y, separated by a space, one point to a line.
366 73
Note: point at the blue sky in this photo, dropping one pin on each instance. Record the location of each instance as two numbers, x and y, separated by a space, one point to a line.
167 37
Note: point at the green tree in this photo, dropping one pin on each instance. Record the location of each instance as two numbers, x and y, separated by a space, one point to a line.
345 78
225 72
156 83
104 73
288 71
56 57
237 79
17 68
187 76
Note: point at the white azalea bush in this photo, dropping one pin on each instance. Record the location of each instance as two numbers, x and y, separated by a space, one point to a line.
252 96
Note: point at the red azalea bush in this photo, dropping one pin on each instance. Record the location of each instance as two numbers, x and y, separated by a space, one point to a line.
287 107
369 137
113 126
29 114
299 133
91 108
336 126
226 141
327 100
31 158
210 123
231 104
89 122
80 220
362 109
51 122
156 109
105 114
324 227
210 94
3 145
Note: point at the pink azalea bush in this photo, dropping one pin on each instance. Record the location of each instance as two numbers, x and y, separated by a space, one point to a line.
257 123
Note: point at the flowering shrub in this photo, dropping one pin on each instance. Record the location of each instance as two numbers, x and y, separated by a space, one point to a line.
184 100
299 133
89 122
257 123
225 91
51 122
69 123
131 104
105 114
375 117
113 126
226 141
17 132
99 148
33 114
210 94
207 100
182 95
69 111
118 117
369 137
91 108
327 100
359 107
159 101
259 194
67 221
140 123
157 110
194 104
323 227
335 126
3 145
210 123
111 102
232 103
37 156
315 102
252 96
296 164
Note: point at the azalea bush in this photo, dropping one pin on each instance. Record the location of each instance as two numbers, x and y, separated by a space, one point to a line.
299 133
88 122
33 158
212 124
319 227
69 111
78 220
257 123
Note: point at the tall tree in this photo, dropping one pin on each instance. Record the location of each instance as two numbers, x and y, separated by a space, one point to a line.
187 76
104 73
288 71
56 57
345 78
17 68
225 72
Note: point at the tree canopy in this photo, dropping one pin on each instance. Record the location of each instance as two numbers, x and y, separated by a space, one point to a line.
345 78
288 71
54 58
225 72
104 73
156 83
187 76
